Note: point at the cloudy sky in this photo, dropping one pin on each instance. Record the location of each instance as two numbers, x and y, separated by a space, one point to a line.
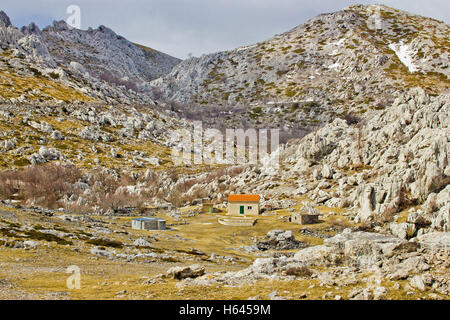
182 27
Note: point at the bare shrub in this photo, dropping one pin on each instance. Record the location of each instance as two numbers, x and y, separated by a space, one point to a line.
117 201
215 175
45 184
152 184
351 119
175 198
103 182
199 193
139 204
359 136
76 208
185 185
235 171
156 93
8 184
367 226
299 272
112 79
337 222
387 216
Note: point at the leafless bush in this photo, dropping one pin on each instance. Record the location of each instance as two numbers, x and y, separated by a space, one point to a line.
103 182
152 183
299 272
359 136
337 222
386 216
121 200
235 171
112 79
351 119
185 185
199 193
8 184
76 208
175 198
215 175
292 134
47 185
44 184
155 93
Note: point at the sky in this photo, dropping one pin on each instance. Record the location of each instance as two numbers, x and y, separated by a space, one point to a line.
194 27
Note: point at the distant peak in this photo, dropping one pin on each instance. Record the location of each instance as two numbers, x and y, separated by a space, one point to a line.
105 29
61 25
5 19
31 29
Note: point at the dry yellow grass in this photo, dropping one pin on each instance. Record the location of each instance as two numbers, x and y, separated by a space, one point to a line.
41 273
13 86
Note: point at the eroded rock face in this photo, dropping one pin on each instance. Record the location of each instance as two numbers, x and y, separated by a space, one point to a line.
291 57
355 253
4 19
180 273
102 49
400 159
435 240
97 63
45 155
363 249
102 252
403 230
320 255
141 242
279 240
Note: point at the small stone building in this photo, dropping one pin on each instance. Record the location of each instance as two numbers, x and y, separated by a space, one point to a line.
148 224
243 204
304 218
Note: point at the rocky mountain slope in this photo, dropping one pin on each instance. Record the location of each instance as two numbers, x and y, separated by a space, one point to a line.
392 168
331 65
394 159
76 65
86 141
102 50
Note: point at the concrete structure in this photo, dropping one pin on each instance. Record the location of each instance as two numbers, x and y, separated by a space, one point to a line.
237 222
304 218
148 224
207 206
243 205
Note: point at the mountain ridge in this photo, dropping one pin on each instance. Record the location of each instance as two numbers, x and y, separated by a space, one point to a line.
334 59
96 62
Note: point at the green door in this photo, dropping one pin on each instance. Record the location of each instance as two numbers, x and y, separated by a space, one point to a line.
241 211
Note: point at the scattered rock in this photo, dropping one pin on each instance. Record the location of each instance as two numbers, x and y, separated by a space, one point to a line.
180 273
141 242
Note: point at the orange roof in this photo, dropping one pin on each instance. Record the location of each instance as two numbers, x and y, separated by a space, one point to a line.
243 197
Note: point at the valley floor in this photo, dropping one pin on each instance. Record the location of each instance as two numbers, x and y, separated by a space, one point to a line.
120 269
